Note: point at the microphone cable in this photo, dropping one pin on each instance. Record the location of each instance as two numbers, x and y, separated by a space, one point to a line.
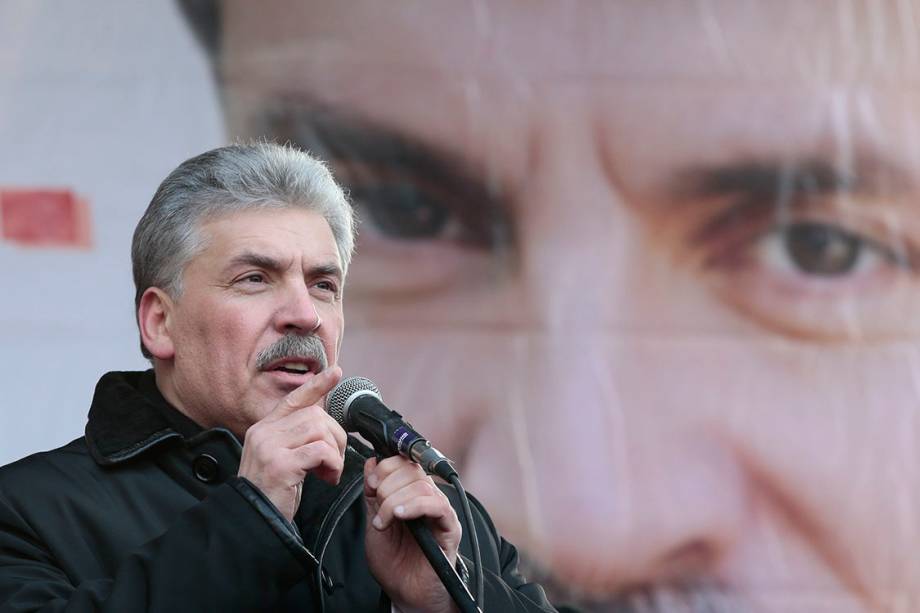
478 582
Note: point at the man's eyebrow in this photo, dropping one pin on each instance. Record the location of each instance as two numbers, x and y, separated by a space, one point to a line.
259 260
325 270
271 264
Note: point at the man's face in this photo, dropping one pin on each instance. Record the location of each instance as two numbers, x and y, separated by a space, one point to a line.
262 275
649 270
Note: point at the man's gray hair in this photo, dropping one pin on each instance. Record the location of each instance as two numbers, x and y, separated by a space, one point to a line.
227 180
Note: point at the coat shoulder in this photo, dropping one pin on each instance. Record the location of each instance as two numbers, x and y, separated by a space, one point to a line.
47 471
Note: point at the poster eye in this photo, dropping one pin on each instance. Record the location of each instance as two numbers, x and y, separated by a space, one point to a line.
402 211
820 249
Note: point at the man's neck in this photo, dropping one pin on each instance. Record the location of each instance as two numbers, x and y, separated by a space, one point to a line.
164 382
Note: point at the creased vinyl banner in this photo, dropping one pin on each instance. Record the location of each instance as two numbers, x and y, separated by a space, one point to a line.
648 270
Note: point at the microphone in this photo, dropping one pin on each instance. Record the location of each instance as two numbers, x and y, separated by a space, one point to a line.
355 403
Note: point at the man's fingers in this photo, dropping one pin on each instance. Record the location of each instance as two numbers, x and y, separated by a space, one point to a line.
388 466
306 425
418 499
322 459
309 393
266 439
400 489
406 474
288 467
370 479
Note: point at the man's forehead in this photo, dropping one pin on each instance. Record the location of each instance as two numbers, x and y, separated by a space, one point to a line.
271 232
655 39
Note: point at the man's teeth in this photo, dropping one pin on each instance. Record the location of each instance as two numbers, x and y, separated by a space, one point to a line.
295 366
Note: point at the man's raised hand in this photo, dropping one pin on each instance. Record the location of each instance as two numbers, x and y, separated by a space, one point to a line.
296 438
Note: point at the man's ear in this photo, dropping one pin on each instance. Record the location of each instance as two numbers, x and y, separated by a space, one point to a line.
154 318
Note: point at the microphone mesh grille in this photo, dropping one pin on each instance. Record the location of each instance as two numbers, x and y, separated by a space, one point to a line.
336 399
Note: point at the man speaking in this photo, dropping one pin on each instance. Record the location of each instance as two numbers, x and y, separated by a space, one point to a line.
239 265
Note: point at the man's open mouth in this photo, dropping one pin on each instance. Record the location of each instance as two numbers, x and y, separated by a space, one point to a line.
293 357
296 366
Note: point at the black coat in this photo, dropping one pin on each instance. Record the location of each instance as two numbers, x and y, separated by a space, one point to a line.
146 513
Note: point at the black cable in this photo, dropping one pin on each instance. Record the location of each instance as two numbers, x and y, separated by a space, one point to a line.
478 582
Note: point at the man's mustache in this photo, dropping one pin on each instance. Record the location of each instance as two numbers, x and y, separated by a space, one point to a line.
308 348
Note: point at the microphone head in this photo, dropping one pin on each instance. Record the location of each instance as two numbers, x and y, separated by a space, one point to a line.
341 396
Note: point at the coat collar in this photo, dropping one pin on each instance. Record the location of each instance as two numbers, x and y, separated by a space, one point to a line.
129 415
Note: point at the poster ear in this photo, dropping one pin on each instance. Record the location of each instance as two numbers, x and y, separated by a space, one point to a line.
153 319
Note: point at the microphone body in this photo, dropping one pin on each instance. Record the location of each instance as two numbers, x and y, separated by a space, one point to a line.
356 405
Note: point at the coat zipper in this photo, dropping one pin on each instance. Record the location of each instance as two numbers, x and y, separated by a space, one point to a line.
341 504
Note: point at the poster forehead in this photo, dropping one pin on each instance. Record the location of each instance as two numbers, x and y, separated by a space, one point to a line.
659 39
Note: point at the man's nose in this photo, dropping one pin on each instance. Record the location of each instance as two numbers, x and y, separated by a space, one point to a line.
297 311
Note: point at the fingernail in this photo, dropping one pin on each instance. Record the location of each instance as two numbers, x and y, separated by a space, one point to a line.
372 481
400 510
378 523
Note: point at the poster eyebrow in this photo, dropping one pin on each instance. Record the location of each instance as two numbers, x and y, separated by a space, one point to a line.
369 157
782 179
337 135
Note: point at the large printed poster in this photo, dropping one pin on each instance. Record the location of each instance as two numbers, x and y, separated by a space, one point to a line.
647 270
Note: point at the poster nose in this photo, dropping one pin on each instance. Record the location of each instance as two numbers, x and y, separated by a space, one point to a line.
600 489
